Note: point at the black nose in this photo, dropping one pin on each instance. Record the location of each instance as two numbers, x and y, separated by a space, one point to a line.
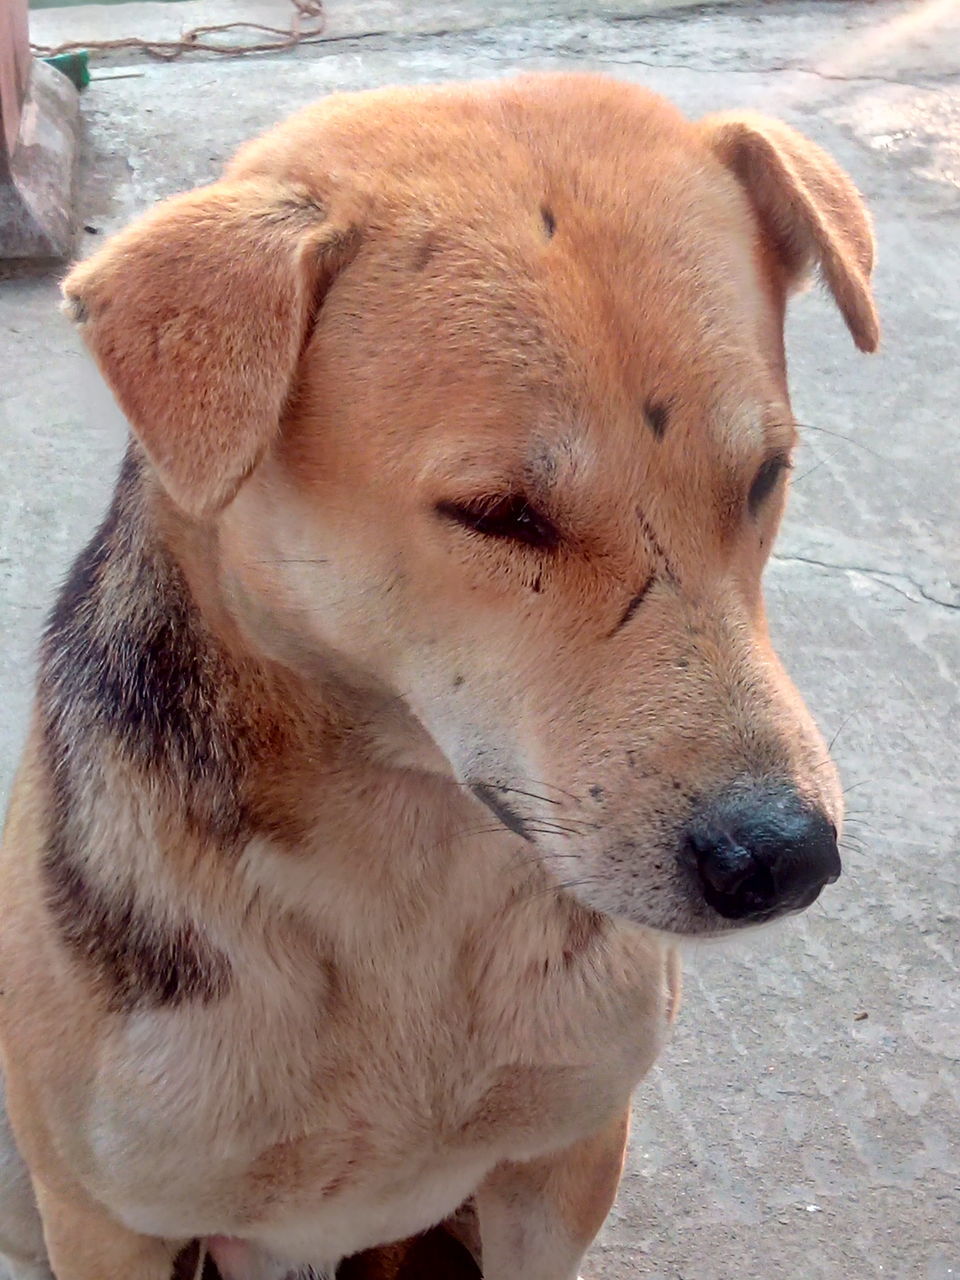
761 851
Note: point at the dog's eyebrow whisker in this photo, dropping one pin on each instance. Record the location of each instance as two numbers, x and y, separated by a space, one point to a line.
795 480
838 435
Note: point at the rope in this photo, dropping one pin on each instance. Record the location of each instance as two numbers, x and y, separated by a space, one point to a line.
306 27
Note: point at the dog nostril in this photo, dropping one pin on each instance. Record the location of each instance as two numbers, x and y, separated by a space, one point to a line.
734 881
758 852
723 865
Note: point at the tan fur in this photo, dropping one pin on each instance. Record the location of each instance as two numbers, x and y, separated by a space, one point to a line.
810 208
381 1001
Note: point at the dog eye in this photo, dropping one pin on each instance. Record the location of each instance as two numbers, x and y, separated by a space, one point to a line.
511 517
765 480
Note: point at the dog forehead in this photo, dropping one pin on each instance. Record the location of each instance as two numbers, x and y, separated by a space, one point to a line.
560 245
396 137
481 176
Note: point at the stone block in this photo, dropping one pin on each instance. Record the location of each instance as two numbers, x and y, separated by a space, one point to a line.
36 178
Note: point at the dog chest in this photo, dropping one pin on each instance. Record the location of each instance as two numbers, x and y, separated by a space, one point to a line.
260 1121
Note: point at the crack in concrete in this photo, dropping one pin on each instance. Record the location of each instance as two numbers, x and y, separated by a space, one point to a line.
941 83
627 61
880 576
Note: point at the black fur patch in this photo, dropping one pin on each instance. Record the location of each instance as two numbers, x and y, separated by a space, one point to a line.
136 959
127 653
126 662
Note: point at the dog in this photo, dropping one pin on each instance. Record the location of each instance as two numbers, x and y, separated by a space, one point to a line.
415 697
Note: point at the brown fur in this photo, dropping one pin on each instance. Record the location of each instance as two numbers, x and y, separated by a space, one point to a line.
340 871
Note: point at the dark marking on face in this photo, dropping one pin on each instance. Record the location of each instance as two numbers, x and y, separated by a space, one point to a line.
657 415
656 546
634 605
457 681
596 791
631 760
549 222
424 251
491 797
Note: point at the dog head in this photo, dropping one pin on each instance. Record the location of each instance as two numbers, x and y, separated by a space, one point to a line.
482 391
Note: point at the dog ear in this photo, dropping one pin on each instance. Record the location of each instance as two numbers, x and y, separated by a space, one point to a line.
808 207
197 315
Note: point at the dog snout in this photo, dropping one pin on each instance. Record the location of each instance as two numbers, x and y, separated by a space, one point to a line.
760 852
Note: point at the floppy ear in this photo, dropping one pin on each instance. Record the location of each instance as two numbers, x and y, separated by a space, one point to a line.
197 315
808 207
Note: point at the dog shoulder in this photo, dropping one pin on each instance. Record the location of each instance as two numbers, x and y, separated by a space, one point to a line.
126 687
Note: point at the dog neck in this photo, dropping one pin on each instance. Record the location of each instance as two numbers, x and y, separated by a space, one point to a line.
144 647
175 751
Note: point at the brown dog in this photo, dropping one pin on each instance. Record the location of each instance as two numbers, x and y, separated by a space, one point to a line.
416 687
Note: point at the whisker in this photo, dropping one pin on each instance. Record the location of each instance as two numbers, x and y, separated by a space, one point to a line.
531 795
499 829
838 435
553 787
843 725
853 785
795 480
291 560
561 886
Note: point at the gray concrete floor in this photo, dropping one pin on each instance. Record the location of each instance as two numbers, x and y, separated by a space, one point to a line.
805 1122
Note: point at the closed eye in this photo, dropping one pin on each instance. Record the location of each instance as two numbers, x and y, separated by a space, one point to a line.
509 517
765 481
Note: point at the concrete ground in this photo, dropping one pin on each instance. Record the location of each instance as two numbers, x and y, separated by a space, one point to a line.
805 1122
